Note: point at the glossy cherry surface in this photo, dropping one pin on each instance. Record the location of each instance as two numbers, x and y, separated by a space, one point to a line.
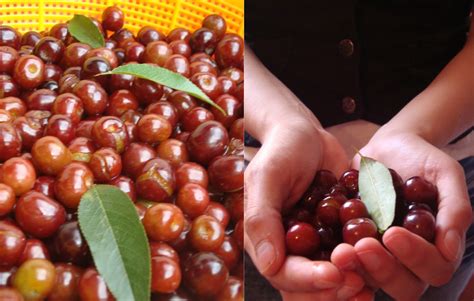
356 229
39 215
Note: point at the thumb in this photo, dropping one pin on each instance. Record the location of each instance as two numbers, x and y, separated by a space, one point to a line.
264 195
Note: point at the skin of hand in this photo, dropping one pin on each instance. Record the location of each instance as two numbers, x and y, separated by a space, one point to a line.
408 263
294 147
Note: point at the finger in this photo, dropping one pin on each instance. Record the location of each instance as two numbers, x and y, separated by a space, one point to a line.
324 295
353 284
419 256
365 295
299 274
387 272
454 214
345 257
335 159
262 221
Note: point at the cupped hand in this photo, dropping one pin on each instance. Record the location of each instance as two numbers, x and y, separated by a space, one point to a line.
275 179
409 263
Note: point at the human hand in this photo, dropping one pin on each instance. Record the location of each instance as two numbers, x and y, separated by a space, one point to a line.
275 179
411 263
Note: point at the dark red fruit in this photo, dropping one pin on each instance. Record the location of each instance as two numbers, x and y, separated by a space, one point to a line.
422 223
356 229
302 239
350 180
419 190
351 209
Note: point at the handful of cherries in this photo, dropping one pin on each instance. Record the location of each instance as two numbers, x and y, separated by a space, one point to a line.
331 212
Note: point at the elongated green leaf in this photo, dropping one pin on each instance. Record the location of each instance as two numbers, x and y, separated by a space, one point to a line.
377 192
117 241
85 31
164 77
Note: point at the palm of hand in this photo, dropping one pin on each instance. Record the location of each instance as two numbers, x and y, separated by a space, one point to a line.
406 264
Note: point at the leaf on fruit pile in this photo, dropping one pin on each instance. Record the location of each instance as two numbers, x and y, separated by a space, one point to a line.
377 192
164 77
117 240
85 31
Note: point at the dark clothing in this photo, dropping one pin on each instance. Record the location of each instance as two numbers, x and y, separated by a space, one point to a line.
356 59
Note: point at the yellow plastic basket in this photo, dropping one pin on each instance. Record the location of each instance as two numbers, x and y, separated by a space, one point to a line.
164 15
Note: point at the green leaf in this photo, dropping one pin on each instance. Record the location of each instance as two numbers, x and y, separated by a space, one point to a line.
377 192
85 31
117 240
164 77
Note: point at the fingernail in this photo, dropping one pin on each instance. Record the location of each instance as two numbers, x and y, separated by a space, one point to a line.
320 274
452 241
370 260
399 245
265 255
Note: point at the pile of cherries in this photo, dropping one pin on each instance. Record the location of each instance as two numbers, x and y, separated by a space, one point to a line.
180 161
331 212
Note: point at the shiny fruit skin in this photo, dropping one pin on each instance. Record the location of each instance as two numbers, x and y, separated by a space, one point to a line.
302 239
72 182
35 279
173 151
165 275
7 199
70 245
207 141
67 283
232 291
105 164
61 127
112 18
191 172
70 105
193 199
93 96
234 202
219 212
39 215
419 190
327 212
205 274
34 249
324 179
206 234
92 287
50 155
163 249
29 71
215 23
422 223
229 252
12 244
163 222
164 109
126 185
10 142
356 229
350 180
110 131
195 117
227 173
29 129
153 129
156 181
135 157
82 149
353 208
232 108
